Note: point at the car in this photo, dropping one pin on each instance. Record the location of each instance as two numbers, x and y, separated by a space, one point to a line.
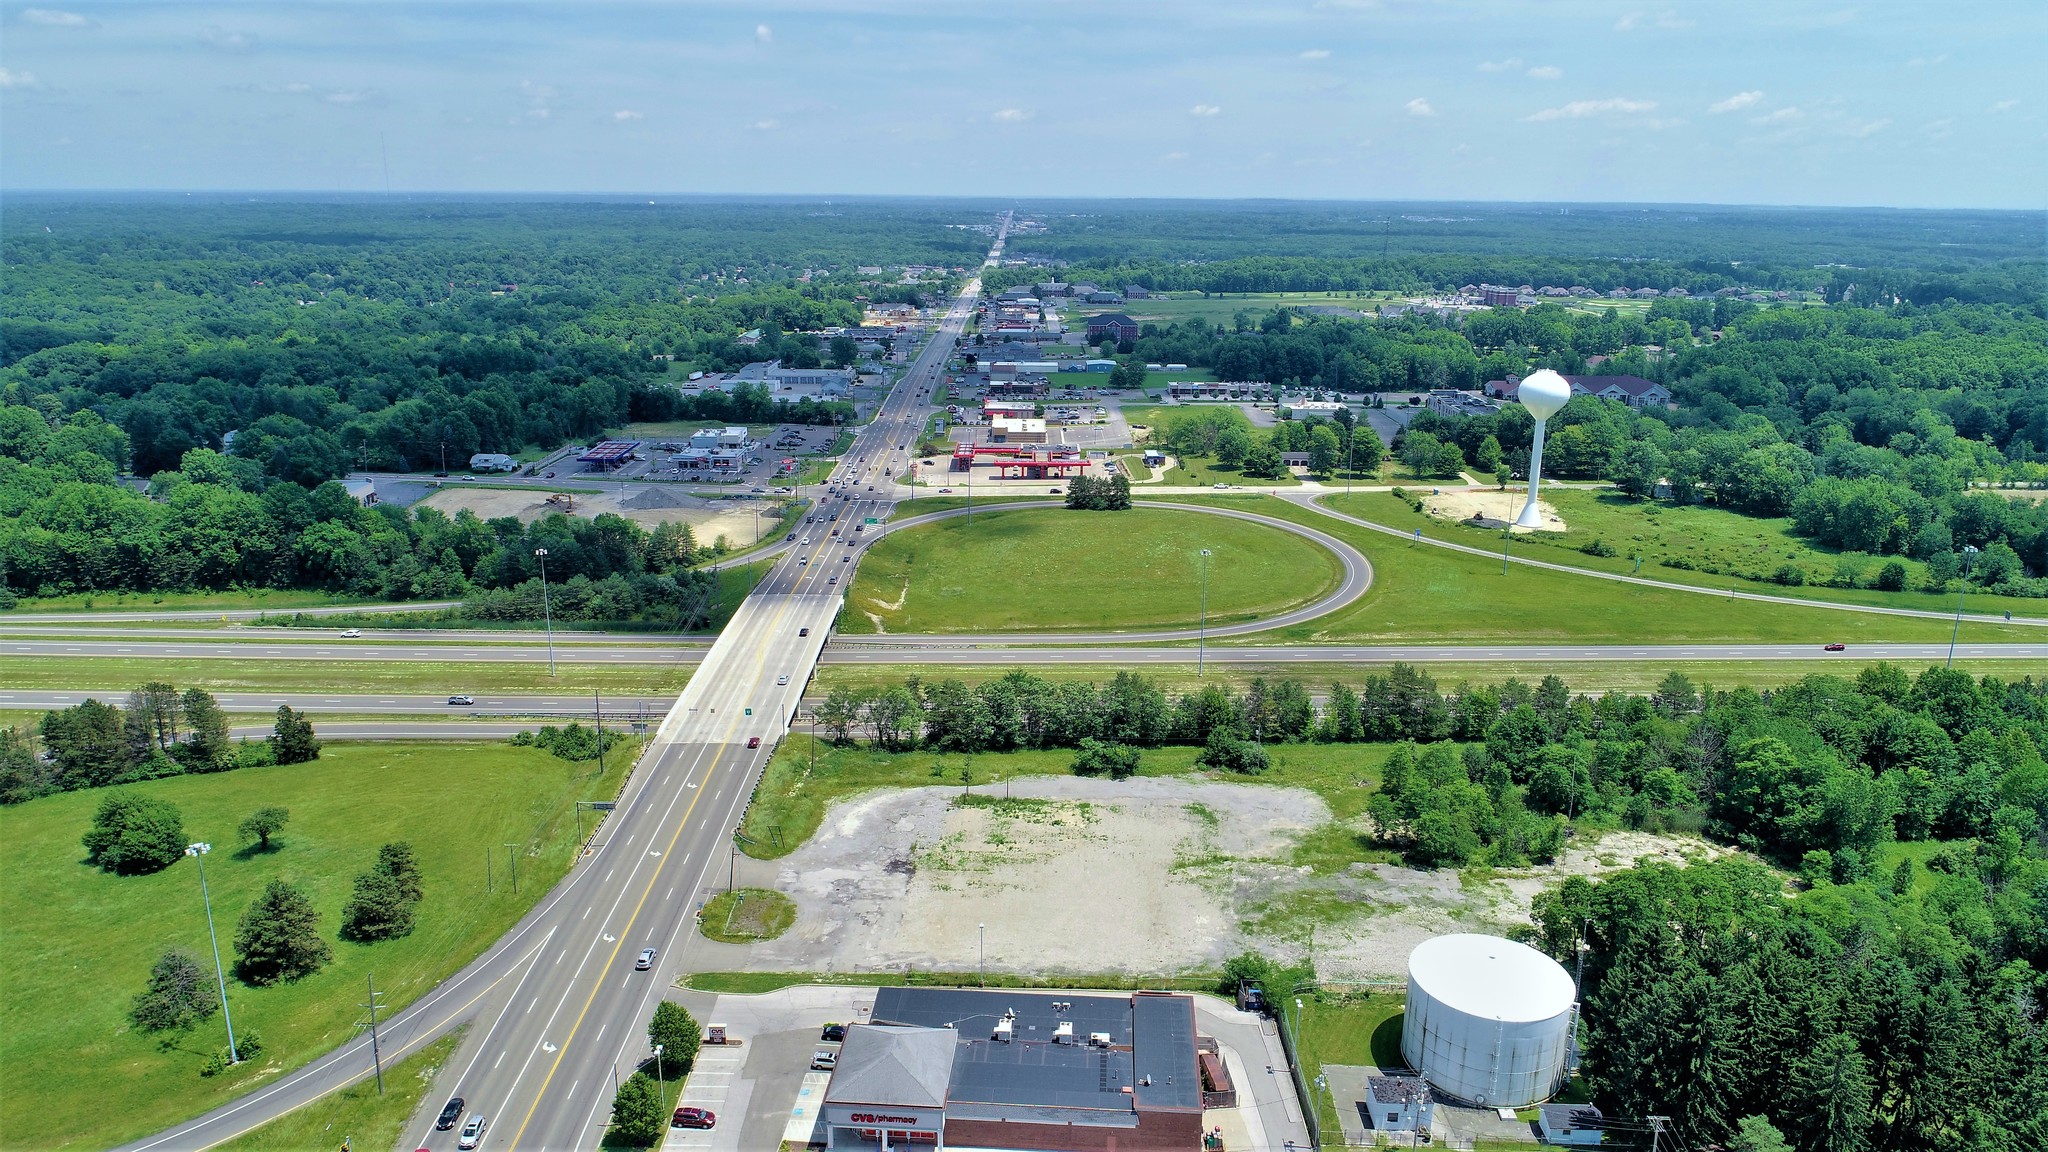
549 476
824 1061
753 741
757 489
461 701
945 491
805 540
450 1115
1834 647
352 634
782 679
833 1032
473 1131
832 580
791 536
1054 491
645 961
860 527
803 631
440 475
802 560
694 1118
847 559
810 519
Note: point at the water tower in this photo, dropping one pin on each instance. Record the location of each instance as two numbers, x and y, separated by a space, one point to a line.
1542 393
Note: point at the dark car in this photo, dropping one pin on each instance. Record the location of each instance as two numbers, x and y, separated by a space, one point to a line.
440 475
803 631
833 1032
791 536
694 1118
753 741
451 1115
1834 648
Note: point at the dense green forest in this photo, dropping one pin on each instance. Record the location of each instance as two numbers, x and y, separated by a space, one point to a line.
1868 255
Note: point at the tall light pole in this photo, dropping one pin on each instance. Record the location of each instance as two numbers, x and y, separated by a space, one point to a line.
1542 393
1969 554
660 1077
547 613
981 931
198 852
1202 641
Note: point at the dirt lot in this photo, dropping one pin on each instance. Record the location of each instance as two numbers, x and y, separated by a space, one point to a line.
709 519
1140 876
1492 503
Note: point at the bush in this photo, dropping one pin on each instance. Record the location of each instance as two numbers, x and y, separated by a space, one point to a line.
134 835
1892 577
1790 575
1119 761
1597 547
1677 562
1230 752
179 995
279 938
573 742
249 1045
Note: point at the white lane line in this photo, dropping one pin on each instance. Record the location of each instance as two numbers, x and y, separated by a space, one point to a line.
498 1061
532 1006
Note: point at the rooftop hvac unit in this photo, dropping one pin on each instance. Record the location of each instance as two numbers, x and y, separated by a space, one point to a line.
1098 1039
1004 1029
1064 1034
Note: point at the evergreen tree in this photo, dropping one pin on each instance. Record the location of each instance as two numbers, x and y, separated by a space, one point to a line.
133 834
207 746
279 937
179 995
377 909
291 739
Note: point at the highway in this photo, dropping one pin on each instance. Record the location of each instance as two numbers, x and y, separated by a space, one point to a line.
557 1006
573 706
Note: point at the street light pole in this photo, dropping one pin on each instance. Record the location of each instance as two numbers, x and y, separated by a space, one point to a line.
1969 553
660 1077
1202 641
981 931
547 613
198 852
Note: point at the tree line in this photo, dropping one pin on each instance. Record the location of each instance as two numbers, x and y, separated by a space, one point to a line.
159 732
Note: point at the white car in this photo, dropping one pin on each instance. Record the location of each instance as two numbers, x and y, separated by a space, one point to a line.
352 634
781 680
807 539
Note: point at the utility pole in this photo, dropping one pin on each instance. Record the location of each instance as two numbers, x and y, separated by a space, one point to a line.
597 708
547 613
376 1053
1202 642
198 852
512 858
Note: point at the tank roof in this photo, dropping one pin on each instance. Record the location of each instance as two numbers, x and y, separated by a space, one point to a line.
1490 977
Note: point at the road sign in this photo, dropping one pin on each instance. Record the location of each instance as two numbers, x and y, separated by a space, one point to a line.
601 805
874 520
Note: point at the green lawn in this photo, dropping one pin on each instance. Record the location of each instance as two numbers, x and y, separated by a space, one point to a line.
1333 1029
226 674
1428 594
803 780
1745 549
746 915
1052 569
79 943
1206 472
356 1114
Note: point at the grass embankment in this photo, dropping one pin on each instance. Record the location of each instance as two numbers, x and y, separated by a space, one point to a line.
1426 594
804 778
79 943
1706 538
228 674
356 1114
261 599
1054 569
746 916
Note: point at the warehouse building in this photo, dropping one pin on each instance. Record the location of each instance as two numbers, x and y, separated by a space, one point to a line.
1019 1070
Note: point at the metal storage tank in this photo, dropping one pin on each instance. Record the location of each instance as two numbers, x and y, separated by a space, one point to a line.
1489 1021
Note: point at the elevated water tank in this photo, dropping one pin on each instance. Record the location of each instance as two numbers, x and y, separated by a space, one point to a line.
1489 1020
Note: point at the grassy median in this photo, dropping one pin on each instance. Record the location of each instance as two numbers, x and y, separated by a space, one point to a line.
228 674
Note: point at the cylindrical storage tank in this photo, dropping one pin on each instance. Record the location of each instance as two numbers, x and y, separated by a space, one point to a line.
1489 1020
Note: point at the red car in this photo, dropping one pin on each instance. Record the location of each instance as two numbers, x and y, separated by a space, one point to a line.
694 1118
753 741
1834 647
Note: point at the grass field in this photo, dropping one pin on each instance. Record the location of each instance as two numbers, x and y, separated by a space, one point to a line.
1699 535
1422 593
79 943
1053 569
1221 309
746 915
123 674
356 1114
260 599
803 779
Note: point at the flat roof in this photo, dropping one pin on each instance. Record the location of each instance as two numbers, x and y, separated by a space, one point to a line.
1151 1037
609 452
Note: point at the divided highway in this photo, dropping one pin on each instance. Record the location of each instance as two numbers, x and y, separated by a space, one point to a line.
557 1006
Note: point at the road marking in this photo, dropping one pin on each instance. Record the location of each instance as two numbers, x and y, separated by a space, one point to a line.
559 958
498 1061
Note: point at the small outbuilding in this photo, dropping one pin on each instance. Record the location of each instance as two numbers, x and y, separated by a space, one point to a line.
1579 1124
1399 1103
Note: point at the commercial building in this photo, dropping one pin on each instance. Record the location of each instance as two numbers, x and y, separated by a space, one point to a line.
695 459
1311 409
1016 430
1058 1072
608 455
1451 402
1113 324
492 462
1217 390
1633 391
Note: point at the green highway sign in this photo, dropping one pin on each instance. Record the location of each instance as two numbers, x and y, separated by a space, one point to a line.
874 520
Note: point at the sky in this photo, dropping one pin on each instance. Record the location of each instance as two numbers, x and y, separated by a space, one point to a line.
1906 104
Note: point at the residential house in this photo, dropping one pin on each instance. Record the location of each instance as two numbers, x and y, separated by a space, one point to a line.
1633 391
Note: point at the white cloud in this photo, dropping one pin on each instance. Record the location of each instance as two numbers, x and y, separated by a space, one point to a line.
1869 128
1627 23
1789 112
1205 110
13 79
1736 103
1667 20
1175 156
1013 115
1580 109
1545 72
52 18
217 37
1507 65
1419 107
625 114
1926 61
765 125
764 33
2004 106
1316 54
355 97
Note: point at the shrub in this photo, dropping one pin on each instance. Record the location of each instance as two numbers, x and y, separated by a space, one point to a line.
1119 761
1230 752
135 835
279 938
573 742
1678 562
1597 547
1790 575
179 995
1892 577
249 1045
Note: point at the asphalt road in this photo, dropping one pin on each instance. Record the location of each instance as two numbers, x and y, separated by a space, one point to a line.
557 1005
147 614
570 706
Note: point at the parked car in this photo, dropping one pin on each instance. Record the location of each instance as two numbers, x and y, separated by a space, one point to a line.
461 701
833 1032
473 1131
824 1061
645 961
352 634
694 1118
450 1115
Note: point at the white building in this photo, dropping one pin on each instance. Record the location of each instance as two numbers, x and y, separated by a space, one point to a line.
1399 1103
1489 1020
492 462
